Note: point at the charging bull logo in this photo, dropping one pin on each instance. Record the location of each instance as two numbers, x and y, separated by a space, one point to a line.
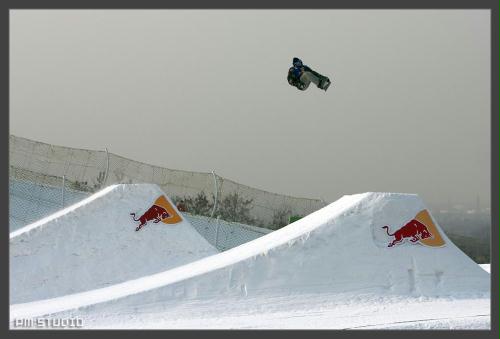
414 230
162 210
420 229
155 213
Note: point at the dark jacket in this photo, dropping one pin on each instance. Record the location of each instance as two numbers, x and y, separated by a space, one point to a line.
294 80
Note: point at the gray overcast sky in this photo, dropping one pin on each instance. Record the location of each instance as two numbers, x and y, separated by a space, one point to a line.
408 111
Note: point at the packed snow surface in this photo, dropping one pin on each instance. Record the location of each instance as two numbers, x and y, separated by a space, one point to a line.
331 269
307 311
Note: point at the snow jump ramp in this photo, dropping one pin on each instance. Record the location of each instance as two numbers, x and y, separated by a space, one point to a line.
93 244
341 248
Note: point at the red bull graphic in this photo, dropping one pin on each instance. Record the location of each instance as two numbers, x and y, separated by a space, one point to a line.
161 210
420 229
414 230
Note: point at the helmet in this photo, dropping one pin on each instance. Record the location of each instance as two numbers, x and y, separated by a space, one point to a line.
297 62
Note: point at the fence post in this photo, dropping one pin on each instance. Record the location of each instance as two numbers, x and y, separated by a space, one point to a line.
107 168
63 186
217 233
216 195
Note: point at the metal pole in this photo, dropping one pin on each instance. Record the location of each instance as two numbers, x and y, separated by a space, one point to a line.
217 233
63 185
216 195
107 167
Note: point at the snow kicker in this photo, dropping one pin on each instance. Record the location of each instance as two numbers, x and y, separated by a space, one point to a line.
376 243
93 244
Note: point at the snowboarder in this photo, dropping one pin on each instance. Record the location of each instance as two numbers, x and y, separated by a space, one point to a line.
301 76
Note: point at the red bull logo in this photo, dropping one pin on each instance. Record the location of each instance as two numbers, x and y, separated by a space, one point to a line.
414 230
420 229
161 210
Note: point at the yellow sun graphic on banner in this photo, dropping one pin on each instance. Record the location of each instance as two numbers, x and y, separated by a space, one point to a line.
436 240
173 217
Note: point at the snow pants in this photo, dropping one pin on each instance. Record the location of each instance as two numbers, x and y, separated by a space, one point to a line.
307 77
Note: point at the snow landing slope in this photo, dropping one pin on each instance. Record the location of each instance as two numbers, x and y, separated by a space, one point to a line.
341 248
93 244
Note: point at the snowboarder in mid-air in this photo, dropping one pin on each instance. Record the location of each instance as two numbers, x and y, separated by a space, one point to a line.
301 76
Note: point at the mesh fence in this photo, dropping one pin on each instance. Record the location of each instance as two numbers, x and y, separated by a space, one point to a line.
223 234
63 169
29 202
